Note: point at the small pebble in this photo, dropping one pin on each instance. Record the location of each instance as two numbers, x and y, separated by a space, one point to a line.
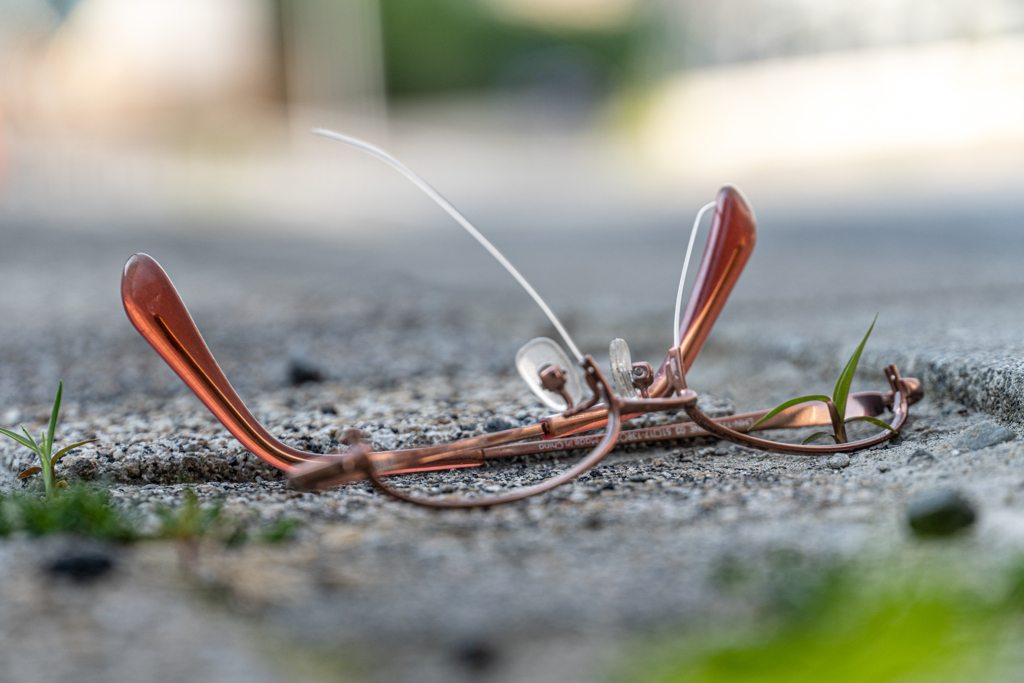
983 435
303 372
921 454
498 424
839 461
477 657
940 513
81 565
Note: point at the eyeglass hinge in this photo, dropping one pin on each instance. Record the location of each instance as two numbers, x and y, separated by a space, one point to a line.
676 370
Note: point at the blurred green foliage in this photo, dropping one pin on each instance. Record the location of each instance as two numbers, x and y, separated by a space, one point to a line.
87 510
445 45
81 510
280 531
848 628
191 520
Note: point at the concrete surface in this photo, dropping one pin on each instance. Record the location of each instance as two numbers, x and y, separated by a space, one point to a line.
418 333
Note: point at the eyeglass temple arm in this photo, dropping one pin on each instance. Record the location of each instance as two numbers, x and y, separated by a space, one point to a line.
868 403
729 246
903 391
157 312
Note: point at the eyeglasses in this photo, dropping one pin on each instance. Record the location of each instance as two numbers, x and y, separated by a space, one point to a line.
158 313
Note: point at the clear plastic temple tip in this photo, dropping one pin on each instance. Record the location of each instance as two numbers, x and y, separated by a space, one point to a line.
676 333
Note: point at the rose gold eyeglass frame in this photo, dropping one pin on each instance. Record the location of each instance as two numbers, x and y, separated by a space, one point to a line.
156 310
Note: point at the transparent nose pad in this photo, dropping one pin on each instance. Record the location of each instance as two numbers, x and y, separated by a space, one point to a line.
540 353
622 369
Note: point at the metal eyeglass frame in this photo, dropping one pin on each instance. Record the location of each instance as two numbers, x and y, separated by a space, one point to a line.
156 310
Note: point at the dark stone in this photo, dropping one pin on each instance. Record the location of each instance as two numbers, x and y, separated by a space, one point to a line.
639 478
81 566
303 372
920 454
941 513
83 468
328 410
478 657
983 435
498 424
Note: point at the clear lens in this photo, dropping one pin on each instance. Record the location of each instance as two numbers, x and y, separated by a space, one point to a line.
540 352
622 369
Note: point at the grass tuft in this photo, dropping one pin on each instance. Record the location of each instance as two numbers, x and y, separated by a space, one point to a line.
280 531
837 402
190 520
86 509
81 510
44 449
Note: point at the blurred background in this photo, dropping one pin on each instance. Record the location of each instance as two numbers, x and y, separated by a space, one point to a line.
163 111
881 143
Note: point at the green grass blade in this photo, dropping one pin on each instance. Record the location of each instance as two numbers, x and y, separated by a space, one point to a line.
842 389
16 437
873 420
34 446
48 440
789 404
815 435
848 370
61 452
